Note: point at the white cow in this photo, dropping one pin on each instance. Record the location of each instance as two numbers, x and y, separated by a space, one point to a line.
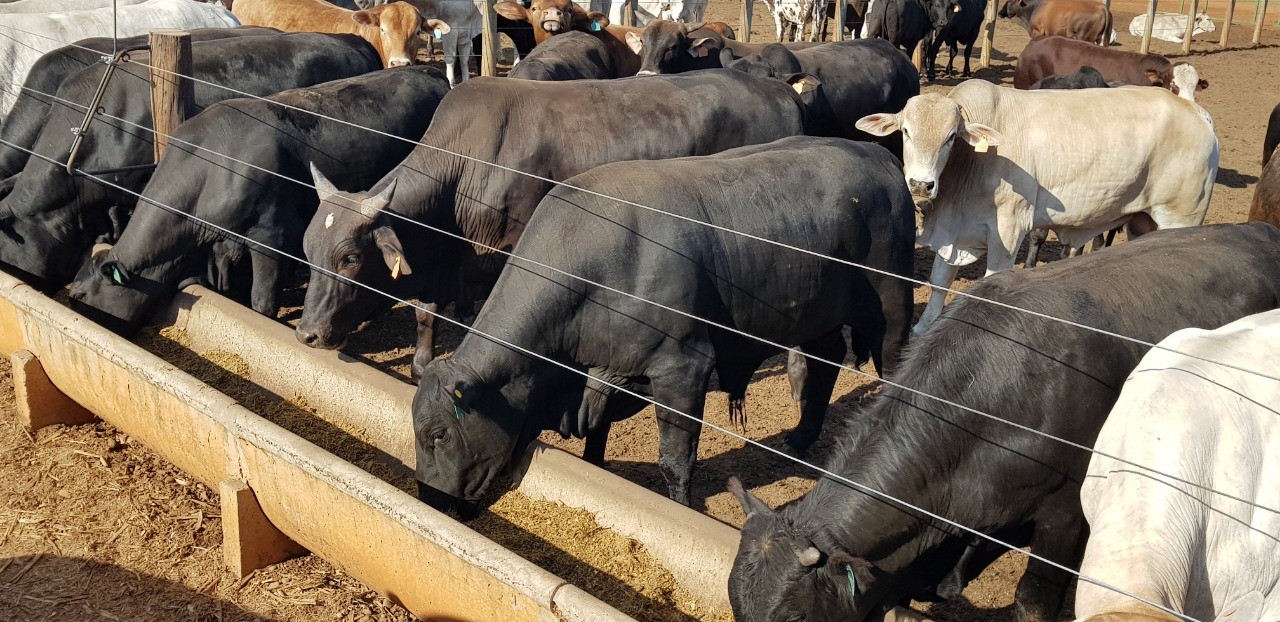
988 164
25 37
1170 26
51 6
795 15
1202 554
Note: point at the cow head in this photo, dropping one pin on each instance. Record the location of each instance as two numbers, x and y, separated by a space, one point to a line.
351 236
467 430
548 17
772 61
1180 78
400 31
665 47
941 12
1203 24
930 125
781 574
109 293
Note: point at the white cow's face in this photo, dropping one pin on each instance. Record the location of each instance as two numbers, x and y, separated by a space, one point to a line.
1204 24
930 124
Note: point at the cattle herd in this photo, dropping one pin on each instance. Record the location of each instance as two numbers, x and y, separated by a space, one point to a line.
645 209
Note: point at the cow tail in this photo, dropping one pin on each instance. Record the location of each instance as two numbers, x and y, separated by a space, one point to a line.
1105 38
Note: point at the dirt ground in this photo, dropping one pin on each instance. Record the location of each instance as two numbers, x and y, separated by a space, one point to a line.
150 548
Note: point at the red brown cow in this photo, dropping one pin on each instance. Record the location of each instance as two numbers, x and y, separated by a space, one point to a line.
1266 197
548 17
396 30
1060 56
1084 20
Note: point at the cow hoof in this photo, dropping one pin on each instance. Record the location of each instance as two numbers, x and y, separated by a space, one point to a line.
797 444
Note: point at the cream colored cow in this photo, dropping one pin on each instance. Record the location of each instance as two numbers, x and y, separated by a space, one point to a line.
989 164
1203 426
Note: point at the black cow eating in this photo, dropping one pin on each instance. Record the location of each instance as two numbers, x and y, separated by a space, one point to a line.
51 219
476 410
520 125
22 124
1085 77
863 76
799 562
159 249
568 56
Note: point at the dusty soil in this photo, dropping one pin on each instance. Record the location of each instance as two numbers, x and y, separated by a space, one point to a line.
150 549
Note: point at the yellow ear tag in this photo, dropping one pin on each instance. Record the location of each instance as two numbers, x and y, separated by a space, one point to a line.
395 269
956 9
328 220
799 87
981 147
457 393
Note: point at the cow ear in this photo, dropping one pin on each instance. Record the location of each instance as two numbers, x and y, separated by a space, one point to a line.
803 83
512 11
381 197
463 392
367 17
726 58
850 571
1247 608
635 42
392 251
1155 77
324 187
880 124
1202 85
597 21
114 272
977 134
701 47
751 505
433 25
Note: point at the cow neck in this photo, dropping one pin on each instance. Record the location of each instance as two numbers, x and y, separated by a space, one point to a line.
157 244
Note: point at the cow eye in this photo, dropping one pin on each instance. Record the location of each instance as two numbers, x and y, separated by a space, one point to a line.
439 437
905 133
349 261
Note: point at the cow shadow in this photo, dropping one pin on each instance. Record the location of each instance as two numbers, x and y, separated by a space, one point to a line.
1232 178
44 587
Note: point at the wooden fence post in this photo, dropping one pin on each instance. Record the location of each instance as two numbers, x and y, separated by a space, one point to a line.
488 41
172 97
839 18
988 34
1226 25
1261 11
1191 26
1146 35
747 7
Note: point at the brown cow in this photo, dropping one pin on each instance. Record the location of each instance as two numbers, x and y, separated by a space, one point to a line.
1084 20
1266 196
548 17
1060 56
396 30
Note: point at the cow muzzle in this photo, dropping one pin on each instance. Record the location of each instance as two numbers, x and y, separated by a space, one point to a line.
922 189
319 339
551 25
398 61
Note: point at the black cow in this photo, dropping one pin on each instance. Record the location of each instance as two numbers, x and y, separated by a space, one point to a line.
962 25
27 116
1085 77
670 47
569 56
160 249
863 76
1273 135
51 219
507 122
906 23
476 410
1047 375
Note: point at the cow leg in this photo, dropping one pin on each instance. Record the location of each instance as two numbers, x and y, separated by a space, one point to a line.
426 350
683 387
1099 243
896 304
270 276
1002 249
943 275
593 453
1035 240
1060 533
466 46
815 395
968 51
449 46
931 47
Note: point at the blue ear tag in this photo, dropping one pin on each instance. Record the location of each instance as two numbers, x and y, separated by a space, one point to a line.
116 276
437 34
457 411
595 26
853 585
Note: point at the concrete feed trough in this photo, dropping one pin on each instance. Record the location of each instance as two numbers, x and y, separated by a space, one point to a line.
436 567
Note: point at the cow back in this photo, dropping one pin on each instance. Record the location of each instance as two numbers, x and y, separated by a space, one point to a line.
1057 55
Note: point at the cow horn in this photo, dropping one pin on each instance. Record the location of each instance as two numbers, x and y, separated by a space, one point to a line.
371 206
324 187
810 557
694 26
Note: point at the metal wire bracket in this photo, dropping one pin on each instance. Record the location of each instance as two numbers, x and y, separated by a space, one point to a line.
95 107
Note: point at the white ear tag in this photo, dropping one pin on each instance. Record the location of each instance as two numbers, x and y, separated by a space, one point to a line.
328 220
395 269
981 147
437 34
